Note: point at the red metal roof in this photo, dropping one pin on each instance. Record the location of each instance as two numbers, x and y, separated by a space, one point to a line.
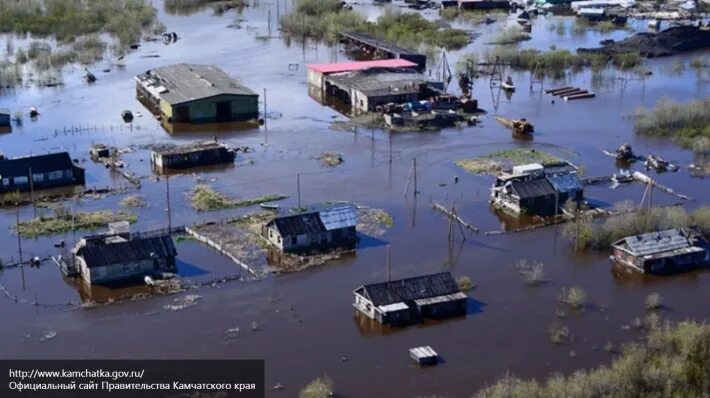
360 65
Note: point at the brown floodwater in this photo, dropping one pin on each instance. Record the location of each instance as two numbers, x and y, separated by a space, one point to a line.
307 326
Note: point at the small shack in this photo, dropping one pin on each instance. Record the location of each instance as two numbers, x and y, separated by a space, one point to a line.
122 256
203 153
190 93
315 231
407 301
537 190
39 172
318 72
663 252
365 90
4 117
99 151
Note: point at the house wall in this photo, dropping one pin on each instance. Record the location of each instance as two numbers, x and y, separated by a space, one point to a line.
443 310
192 159
344 237
676 264
57 178
315 78
243 107
123 271
4 119
364 305
363 103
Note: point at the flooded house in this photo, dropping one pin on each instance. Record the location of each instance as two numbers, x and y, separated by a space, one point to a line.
314 231
663 252
483 4
189 93
407 301
367 90
119 256
317 73
39 172
534 189
203 153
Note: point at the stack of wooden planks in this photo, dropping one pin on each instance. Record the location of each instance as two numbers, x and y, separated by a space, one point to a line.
571 93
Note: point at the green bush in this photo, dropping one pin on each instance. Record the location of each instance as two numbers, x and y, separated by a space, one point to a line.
684 123
321 387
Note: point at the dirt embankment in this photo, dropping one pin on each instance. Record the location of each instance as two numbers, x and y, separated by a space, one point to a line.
671 41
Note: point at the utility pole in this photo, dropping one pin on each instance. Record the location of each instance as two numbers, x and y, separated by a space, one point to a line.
265 126
389 262
298 189
167 195
416 191
390 145
32 191
19 238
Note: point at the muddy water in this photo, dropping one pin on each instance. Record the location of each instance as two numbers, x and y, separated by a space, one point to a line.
307 325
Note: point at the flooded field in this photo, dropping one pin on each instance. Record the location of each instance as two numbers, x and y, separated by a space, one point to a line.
306 324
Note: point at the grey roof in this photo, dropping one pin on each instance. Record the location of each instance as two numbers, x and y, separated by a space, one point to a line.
20 167
171 149
417 288
380 81
532 188
660 242
180 83
565 182
316 222
102 253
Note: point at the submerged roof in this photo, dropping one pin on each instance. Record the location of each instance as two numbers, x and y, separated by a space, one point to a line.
316 222
532 188
20 167
182 83
660 242
565 182
192 147
380 81
410 289
106 252
360 65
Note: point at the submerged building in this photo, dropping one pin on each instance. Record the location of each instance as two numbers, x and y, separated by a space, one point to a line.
189 93
366 90
315 231
534 189
407 301
4 117
664 252
39 172
204 153
120 256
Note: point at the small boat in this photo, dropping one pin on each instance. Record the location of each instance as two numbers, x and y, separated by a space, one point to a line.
521 126
658 164
269 206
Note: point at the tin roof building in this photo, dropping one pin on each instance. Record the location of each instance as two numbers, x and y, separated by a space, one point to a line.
663 252
314 231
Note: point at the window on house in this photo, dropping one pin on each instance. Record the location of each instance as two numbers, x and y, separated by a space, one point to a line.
69 173
21 180
56 175
294 240
38 177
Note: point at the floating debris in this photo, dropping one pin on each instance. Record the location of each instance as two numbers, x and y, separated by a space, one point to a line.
183 302
48 335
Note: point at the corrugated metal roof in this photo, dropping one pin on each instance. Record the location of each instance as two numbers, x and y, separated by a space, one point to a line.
338 217
299 224
360 65
379 81
102 253
658 242
532 188
20 167
182 83
420 287
565 182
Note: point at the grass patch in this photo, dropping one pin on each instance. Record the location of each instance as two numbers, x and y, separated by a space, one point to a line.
533 273
687 124
322 20
321 387
653 301
497 161
559 334
331 159
575 297
135 201
600 236
62 220
671 361
465 283
204 198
